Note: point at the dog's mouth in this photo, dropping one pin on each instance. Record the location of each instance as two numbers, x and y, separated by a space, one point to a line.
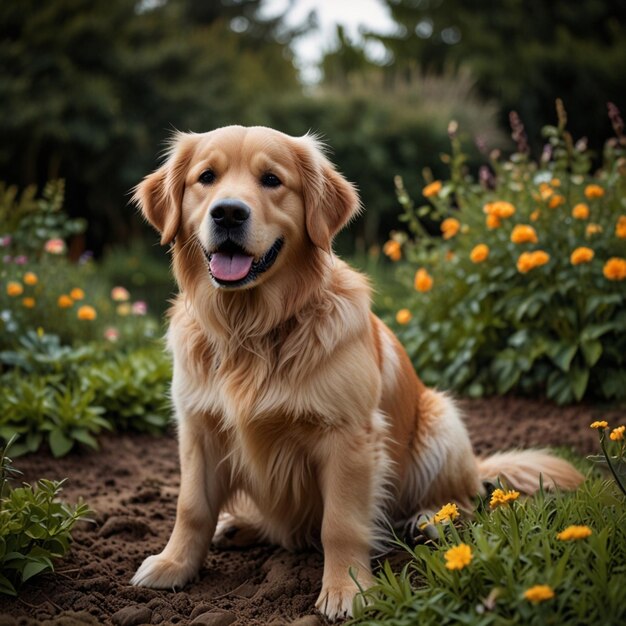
231 265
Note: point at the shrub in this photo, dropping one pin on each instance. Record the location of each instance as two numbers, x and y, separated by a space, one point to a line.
547 559
525 291
35 527
63 396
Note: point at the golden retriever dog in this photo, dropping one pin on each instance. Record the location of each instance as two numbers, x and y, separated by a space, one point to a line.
300 418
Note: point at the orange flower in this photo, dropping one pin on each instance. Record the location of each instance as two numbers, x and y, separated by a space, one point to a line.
433 189
503 209
620 227
523 233
534 216
450 227
581 255
29 303
493 221
30 278
423 280
393 250
617 434
479 253
77 294
14 289
86 312
539 593
55 246
574 533
120 294
545 191
556 200
403 316
580 211
555 182
64 301
594 191
458 557
615 269
593 229
529 260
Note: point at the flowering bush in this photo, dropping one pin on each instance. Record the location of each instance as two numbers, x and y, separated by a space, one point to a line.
545 559
526 288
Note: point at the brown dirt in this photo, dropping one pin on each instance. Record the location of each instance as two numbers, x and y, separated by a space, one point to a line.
132 484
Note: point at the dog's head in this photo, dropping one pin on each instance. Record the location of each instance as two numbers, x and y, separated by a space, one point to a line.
253 199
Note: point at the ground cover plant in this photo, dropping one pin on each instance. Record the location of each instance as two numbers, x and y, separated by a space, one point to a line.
35 527
524 288
77 354
547 559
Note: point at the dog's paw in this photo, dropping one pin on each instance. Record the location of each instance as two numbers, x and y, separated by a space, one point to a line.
159 572
231 533
336 602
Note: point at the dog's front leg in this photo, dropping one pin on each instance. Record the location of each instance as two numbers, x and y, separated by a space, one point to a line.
203 489
347 485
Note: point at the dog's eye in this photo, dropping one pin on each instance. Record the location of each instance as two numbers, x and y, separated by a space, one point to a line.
270 180
207 177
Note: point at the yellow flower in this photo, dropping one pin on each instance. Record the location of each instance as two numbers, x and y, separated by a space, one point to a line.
493 221
530 260
620 227
30 278
433 189
574 533
423 280
446 513
14 289
86 312
65 302
593 229
593 191
124 309
556 200
581 255
580 211
523 233
534 216
617 434
450 227
502 496
545 191
29 303
393 250
77 293
479 253
599 424
403 316
502 209
539 593
615 269
458 557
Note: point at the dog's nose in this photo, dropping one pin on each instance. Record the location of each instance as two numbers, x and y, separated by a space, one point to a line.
230 213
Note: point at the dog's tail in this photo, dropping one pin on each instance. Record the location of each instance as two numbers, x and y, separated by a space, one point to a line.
526 470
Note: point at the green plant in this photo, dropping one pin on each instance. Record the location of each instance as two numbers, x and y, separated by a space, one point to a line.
35 527
613 452
525 290
510 550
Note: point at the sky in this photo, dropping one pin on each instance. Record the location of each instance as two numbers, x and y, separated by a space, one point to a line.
352 14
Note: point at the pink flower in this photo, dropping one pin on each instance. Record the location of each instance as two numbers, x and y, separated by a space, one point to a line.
20 260
140 308
120 294
111 334
5 241
55 246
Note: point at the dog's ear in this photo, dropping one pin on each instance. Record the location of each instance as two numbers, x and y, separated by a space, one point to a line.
330 201
159 195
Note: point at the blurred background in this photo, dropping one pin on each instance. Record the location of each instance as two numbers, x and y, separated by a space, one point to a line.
91 89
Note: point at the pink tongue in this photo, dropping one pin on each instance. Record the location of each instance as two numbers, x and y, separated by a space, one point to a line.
230 266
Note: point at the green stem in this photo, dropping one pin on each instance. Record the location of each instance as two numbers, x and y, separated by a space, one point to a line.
608 461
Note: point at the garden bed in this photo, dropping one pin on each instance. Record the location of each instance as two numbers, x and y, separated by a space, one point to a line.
132 484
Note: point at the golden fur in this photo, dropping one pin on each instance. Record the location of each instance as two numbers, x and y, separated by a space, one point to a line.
301 420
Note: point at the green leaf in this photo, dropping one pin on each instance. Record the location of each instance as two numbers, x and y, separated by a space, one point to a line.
597 330
35 567
592 351
563 355
580 378
6 587
59 443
